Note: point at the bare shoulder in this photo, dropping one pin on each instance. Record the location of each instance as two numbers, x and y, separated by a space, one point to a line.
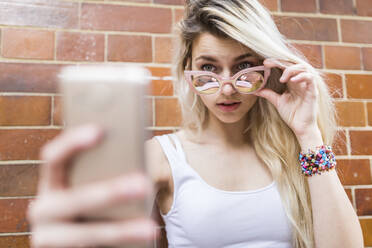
157 164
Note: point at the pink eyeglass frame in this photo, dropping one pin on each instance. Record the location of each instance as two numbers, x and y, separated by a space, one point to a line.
188 76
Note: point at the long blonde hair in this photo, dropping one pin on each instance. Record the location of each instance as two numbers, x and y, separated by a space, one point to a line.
249 23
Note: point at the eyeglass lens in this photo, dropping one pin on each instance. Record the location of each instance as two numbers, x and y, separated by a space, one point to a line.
248 82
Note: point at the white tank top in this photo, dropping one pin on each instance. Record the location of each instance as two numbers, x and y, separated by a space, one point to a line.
202 216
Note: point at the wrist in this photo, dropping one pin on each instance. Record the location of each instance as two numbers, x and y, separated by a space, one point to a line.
310 139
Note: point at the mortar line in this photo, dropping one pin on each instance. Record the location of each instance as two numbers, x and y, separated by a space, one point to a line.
322 48
52 111
344 92
365 112
339 30
106 47
348 147
317 6
153 48
79 14
15 234
55 45
136 4
353 198
153 112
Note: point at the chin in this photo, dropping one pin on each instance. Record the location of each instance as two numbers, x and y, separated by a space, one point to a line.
230 118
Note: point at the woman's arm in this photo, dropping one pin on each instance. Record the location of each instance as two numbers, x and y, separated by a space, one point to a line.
160 174
335 221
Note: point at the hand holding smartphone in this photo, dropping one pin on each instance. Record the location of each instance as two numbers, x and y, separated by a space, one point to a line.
114 98
87 175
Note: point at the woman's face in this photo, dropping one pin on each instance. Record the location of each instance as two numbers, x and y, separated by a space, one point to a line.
224 57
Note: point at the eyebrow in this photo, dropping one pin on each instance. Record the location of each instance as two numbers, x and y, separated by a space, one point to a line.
209 58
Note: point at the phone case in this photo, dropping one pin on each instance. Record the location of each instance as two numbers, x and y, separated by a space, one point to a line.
113 97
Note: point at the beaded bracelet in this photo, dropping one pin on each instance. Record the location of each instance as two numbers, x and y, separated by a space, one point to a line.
315 162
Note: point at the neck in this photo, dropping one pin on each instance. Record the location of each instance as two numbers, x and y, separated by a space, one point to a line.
225 134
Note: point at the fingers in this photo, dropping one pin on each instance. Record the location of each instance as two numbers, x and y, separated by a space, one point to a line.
308 83
58 153
270 95
71 235
68 204
289 69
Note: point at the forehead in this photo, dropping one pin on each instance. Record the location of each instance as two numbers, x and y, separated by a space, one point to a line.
207 43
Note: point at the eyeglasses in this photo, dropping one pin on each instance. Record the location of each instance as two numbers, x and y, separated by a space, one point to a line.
246 81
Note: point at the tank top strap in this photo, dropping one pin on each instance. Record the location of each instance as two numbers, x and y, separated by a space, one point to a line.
179 149
168 149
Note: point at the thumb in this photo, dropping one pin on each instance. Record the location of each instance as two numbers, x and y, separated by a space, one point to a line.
269 95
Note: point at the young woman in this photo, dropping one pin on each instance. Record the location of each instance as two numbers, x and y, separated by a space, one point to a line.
232 176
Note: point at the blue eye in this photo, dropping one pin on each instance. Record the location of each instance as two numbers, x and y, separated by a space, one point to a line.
243 66
208 67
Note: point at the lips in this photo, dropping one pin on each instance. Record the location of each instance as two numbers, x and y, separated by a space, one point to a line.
228 102
228 107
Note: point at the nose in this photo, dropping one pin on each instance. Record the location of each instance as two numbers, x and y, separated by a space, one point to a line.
228 88
227 85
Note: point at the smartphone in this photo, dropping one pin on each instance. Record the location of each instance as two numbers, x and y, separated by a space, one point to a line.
113 97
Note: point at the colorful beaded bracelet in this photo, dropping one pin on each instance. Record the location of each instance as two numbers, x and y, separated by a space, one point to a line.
315 162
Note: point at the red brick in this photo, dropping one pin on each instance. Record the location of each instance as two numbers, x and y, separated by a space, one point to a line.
361 142
367 58
161 132
178 15
298 6
359 86
13 215
342 7
339 143
162 88
24 144
58 111
127 48
28 44
366 225
271 5
126 18
354 171
18 241
172 2
339 57
160 71
334 82
54 14
369 111
19 77
363 200
364 7
80 46
168 112
356 31
163 49
25 110
350 114
312 52
307 28
348 192
19 179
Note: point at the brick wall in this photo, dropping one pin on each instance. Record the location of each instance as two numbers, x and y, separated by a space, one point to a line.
40 36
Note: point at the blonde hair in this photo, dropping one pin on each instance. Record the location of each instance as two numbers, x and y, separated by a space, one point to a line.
249 23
